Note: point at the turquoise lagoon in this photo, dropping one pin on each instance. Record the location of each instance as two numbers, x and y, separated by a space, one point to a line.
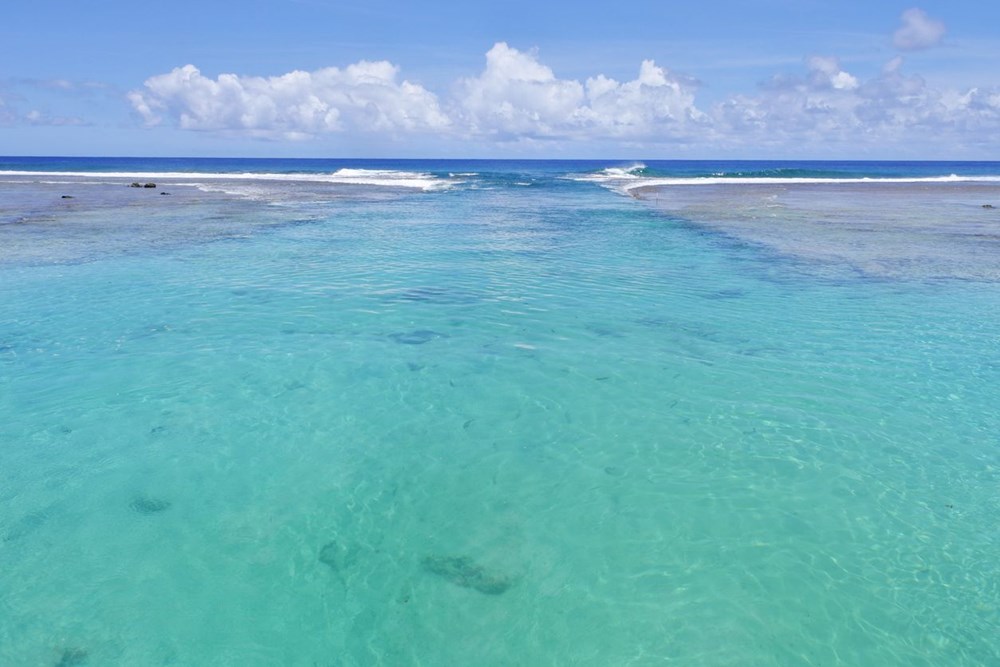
499 413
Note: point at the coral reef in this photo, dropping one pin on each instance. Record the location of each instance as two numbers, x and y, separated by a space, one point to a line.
465 572
149 505
71 657
418 337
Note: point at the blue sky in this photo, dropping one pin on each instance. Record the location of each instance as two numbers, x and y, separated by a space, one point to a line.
317 78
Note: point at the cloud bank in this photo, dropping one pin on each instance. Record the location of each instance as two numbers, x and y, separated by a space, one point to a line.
828 106
365 96
517 98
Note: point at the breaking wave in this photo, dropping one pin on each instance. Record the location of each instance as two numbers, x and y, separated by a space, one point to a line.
626 180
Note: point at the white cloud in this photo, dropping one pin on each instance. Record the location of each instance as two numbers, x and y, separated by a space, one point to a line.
830 110
825 71
516 96
519 101
365 96
655 104
919 31
792 109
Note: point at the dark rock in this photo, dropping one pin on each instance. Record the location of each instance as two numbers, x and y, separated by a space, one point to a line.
604 331
463 571
72 657
988 206
67 196
332 554
135 185
147 505
164 193
149 185
338 558
418 337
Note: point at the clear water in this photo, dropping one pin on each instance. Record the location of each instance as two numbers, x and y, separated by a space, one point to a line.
520 419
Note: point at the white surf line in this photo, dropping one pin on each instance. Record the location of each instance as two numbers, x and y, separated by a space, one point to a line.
385 178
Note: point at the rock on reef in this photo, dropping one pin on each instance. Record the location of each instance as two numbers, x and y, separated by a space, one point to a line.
148 505
465 572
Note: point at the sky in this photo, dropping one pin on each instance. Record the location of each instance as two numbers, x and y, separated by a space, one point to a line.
764 79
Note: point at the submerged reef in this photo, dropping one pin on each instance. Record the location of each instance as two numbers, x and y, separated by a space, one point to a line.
148 505
432 295
72 657
338 557
332 554
24 526
418 337
465 572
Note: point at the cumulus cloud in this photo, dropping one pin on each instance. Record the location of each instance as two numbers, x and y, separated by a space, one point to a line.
826 72
919 31
516 95
517 98
365 96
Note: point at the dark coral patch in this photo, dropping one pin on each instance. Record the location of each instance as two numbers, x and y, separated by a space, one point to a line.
465 572
148 505
418 337
72 657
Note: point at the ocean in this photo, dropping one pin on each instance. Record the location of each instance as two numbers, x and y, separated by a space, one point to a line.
457 412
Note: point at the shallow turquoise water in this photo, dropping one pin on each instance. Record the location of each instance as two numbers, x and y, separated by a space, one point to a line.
493 425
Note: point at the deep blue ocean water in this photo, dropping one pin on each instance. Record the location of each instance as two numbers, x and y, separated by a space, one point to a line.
334 412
